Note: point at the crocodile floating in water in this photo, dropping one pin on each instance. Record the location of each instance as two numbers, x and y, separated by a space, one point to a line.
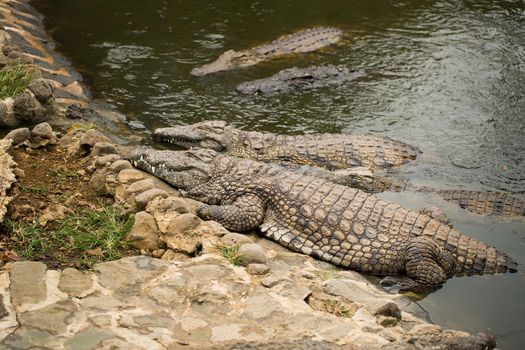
338 224
302 41
300 79
332 151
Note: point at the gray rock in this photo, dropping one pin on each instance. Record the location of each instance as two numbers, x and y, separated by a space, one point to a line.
102 148
257 269
74 282
27 108
18 136
43 131
103 161
234 238
276 278
5 38
144 233
28 282
7 117
145 197
176 204
53 319
42 89
251 253
384 308
119 165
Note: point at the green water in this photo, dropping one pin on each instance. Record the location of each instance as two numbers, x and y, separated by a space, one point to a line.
446 76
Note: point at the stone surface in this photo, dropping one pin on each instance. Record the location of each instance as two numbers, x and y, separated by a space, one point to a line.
27 108
129 176
144 233
106 160
7 175
234 238
18 135
43 130
75 282
257 269
42 89
28 283
102 148
145 197
251 253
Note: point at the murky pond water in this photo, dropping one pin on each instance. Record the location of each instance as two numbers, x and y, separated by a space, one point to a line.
446 76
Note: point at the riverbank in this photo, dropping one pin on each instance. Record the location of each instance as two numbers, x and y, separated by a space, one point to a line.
194 285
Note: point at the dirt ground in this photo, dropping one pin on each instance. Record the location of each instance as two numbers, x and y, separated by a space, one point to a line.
51 196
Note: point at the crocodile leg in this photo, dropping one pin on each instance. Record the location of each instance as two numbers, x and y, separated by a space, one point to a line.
427 265
246 213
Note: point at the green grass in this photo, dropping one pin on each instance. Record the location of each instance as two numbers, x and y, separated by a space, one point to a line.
79 240
37 189
231 253
15 78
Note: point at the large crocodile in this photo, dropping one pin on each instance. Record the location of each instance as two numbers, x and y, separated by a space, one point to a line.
344 226
300 79
302 41
363 155
332 151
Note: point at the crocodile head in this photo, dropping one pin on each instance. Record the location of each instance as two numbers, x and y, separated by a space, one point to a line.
226 61
208 134
183 170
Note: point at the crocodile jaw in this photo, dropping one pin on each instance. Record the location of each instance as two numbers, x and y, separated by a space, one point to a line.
226 61
184 170
209 134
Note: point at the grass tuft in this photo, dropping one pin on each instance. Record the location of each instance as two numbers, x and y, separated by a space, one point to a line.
14 78
80 240
231 253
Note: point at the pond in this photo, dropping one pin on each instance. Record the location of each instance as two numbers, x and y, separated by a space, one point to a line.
445 76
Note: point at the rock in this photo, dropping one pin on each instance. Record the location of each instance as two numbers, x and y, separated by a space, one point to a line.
251 253
170 255
103 161
138 187
158 253
129 176
42 89
52 213
119 165
7 117
53 318
145 197
18 136
257 269
7 176
43 131
27 108
180 236
103 148
144 233
276 278
74 282
5 38
98 182
387 321
174 204
384 308
28 283
233 238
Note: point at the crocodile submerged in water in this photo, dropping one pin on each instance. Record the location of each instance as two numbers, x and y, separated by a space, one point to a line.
307 40
338 224
300 79
331 151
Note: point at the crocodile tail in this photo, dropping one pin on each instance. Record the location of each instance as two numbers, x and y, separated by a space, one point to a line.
480 258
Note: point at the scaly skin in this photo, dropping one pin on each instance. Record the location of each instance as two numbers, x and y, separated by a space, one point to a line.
307 40
341 225
299 79
331 151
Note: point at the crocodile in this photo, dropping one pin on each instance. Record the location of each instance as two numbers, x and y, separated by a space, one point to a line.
300 79
478 202
331 151
306 40
338 224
